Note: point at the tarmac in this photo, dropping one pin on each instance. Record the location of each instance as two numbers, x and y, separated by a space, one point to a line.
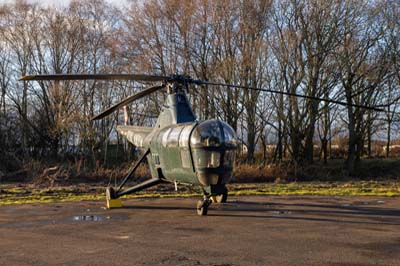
248 230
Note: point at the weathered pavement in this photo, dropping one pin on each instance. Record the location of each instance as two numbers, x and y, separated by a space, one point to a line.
296 230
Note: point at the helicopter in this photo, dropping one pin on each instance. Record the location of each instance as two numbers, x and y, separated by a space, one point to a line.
179 149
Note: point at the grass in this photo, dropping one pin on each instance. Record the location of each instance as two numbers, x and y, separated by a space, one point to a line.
9 194
352 188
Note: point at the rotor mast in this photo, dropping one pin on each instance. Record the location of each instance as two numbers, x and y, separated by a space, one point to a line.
176 108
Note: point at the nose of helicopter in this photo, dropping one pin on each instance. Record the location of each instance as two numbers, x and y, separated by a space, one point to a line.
213 144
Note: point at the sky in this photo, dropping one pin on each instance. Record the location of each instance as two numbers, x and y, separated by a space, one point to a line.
63 2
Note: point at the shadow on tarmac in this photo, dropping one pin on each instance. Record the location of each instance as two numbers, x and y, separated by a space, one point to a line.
335 213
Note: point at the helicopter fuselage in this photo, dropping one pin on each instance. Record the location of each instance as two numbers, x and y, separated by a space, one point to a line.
184 150
198 153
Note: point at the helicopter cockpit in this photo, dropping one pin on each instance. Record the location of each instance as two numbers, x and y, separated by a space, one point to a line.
213 144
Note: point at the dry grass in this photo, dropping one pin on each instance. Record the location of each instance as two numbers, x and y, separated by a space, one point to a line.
45 174
246 173
369 169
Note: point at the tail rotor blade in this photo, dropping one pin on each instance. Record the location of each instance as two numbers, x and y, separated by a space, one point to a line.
128 100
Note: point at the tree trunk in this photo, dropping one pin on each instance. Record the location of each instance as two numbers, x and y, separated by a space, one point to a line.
280 142
251 136
309 143
351 155
324 149
352 149
369 136
388 139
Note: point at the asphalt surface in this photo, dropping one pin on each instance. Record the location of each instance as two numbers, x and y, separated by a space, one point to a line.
274 230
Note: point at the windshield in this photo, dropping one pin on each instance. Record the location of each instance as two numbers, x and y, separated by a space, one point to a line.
229 135
207 134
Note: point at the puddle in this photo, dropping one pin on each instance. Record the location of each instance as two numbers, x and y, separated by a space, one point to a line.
198 229
97 218
122 237
281 212
90 218
65 220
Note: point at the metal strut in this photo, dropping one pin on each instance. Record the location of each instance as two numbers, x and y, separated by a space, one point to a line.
131 172
146 184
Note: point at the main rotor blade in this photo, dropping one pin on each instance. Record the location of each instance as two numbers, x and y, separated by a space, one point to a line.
137 77
291 94
128 100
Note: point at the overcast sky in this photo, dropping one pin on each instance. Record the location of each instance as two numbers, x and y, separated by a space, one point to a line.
63 2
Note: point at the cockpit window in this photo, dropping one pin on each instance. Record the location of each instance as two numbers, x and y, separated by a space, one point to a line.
207 134
229 158
165 137
220 138
184 139
173 136
207 159
229 135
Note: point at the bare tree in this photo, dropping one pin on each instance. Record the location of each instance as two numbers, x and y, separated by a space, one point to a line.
362 67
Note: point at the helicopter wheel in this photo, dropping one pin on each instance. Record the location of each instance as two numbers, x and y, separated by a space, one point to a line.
202 206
